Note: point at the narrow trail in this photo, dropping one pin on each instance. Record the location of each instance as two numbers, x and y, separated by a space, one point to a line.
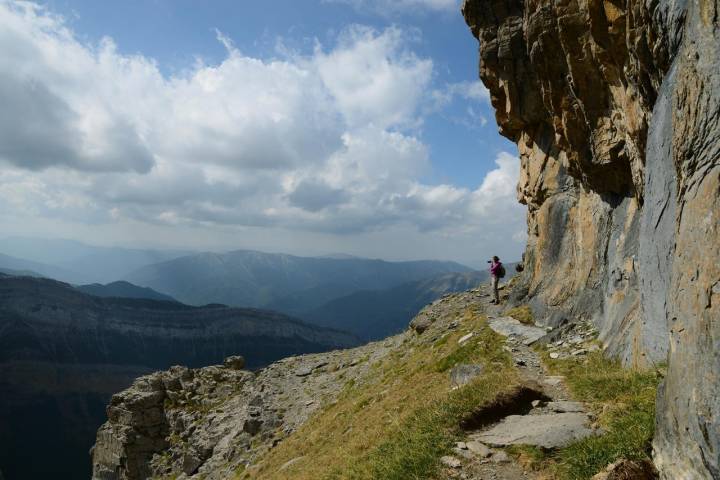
529 363
545 417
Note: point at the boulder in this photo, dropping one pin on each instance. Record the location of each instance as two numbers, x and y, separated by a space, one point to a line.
235 362
500 457
421 323
478 449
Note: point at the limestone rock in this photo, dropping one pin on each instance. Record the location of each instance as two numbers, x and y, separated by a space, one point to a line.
479 449
466 454
546 431
500 457
508 326
451 462
205 423
463 374
465 338
290 463
235 362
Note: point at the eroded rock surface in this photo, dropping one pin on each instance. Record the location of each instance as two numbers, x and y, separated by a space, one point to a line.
211 422
551 430
508 326
615 110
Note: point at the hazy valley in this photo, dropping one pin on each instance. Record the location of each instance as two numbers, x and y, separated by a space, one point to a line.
80 344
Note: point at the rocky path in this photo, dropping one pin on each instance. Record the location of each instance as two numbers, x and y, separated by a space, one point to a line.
546 417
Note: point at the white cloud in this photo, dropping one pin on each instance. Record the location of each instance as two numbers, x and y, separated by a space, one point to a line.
374 80
325 142
498 185
472 94
470 90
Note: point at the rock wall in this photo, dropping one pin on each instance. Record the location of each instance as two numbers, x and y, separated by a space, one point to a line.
615 109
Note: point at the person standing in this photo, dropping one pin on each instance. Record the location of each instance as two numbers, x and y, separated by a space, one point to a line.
497 271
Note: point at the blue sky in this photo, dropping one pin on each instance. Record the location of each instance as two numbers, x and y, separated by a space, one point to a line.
302 126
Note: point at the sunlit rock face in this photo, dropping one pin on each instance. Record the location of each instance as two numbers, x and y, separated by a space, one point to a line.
615 110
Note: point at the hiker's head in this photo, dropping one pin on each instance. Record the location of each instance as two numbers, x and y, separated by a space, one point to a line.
496 259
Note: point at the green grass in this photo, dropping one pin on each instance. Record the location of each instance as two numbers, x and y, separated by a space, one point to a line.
522 314
397 420
484 347
412 452
464 354
624 402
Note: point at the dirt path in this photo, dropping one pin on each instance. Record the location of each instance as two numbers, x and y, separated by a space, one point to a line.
544 416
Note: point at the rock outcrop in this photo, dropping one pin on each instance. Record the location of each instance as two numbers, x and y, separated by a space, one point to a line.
212 422
615 109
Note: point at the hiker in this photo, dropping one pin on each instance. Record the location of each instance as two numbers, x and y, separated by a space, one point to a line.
497 271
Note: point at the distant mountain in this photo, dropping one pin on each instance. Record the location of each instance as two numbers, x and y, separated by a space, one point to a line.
46 320
19 273
64 352
376 314
339 256
280 282
482 264
123 289
17 266
80 263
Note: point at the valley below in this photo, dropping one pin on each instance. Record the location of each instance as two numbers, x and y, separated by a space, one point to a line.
63 353
66 349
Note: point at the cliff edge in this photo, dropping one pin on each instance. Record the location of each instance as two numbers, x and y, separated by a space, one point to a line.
615 111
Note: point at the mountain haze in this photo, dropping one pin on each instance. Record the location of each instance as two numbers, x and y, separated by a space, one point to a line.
286 283
13 266
376 314
124 290
77 262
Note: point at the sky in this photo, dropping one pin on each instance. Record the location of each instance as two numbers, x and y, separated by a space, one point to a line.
301 126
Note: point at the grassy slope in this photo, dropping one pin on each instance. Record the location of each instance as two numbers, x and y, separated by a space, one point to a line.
402 418
398 422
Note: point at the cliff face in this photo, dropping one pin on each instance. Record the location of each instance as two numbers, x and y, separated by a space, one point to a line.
615 111
49 321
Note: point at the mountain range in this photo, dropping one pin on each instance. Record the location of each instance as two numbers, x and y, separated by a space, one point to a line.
376 314
14 266
63 353
76 262
123 289
281 282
